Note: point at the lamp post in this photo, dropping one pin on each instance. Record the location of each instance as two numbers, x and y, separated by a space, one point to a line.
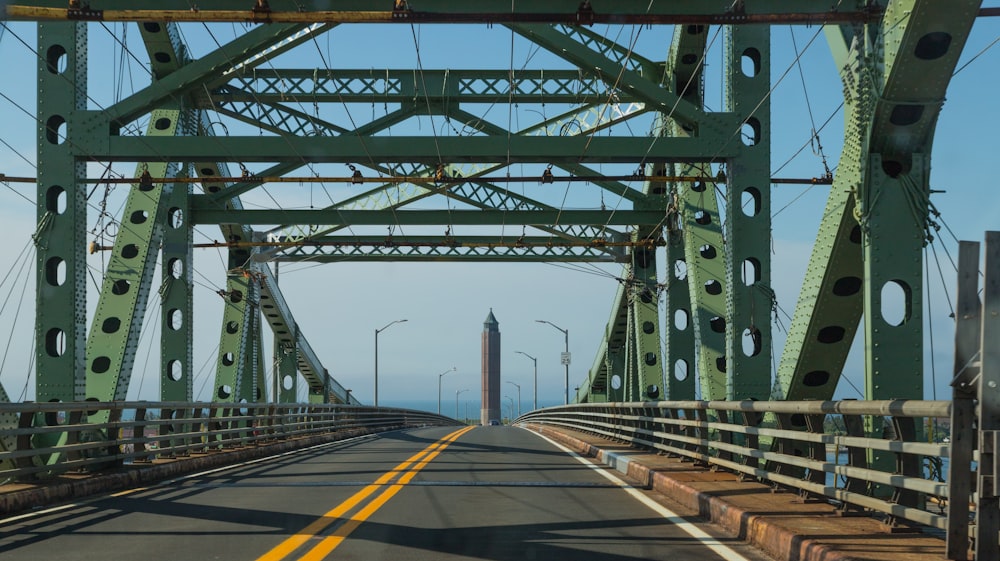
377 331
565 358
441 375
535 360
458 393
510 418
518 386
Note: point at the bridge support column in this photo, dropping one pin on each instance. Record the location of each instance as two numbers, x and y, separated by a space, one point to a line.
749 299
645 325
60 235
176 299
114 332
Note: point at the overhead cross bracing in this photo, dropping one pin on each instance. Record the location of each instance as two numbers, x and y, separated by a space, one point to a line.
271 100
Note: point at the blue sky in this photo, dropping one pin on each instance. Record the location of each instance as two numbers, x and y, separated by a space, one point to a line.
339 306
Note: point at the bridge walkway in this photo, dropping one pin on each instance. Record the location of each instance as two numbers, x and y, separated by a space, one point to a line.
779 522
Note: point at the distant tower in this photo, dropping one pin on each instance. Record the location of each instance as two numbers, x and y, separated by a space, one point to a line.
491 370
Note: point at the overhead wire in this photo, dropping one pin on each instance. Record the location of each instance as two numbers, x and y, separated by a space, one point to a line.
17 313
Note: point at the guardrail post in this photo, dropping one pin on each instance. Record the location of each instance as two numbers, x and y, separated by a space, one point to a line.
856 457
166 429
138 437
725 436
786 446
816 451
752 441
201 427
703 436
73 420
907 465
963 406
987 535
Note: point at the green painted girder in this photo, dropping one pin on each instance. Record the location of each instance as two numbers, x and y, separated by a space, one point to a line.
647 89
209 215
275 117
191 77
373 127
685 296
177 300
621 55
921 42
833 297
270 295
417 149
609 362
117 320
286 371
8 422
459 248
242 298
643 298
615 187
706 284
747 227
269 86
616 8
254 367
60 234
286 331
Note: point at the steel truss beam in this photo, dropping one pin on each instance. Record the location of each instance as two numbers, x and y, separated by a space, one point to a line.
211 215
569 12
407 87
891 110
451 249
351 149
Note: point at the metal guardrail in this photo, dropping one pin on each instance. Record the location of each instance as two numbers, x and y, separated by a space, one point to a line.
55 438
785 443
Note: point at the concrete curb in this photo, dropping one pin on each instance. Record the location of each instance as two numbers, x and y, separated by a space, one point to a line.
64 489
776 540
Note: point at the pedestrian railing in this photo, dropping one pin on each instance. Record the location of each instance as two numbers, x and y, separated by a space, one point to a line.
823 449
56 438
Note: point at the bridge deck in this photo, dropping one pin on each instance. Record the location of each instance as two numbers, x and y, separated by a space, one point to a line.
441 493
435 493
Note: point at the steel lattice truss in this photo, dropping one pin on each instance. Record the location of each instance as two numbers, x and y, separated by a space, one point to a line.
602 104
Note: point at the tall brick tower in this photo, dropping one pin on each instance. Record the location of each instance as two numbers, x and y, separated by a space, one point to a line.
491 370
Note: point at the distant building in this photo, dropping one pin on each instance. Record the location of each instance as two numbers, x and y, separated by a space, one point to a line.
491 370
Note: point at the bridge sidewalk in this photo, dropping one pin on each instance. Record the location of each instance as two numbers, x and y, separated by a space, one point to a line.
780 523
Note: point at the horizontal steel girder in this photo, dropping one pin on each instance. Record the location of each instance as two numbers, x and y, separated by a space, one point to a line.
202 215
449 11
390 250
404 86
410 149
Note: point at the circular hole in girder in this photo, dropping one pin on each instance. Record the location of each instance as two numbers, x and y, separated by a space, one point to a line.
680 370
111 325
175 370
130 251
55 342
100 365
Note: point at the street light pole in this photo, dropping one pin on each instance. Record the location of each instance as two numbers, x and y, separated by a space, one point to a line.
457 393
535 360
452 369
377 331
566 357
518 386
510 418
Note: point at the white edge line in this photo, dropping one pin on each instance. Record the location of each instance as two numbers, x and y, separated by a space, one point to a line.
166 482
694 531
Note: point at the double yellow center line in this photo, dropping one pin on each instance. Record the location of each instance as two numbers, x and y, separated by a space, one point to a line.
402 474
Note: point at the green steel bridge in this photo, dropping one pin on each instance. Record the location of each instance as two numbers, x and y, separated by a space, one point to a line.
686 361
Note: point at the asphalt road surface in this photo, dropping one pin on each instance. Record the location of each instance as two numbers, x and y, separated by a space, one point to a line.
491 493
